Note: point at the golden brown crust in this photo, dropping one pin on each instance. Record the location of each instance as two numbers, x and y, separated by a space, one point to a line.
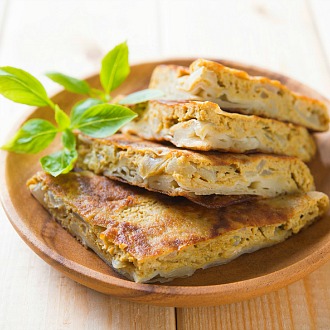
147 225
217 67
236 91
204 126
88 193
179 172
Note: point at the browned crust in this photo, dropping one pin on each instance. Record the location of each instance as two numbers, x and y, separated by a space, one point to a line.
162 119
311 105
146 225
88 193
217 67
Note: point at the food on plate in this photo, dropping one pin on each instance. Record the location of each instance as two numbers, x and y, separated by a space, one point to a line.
179 172
204 126
152 237
236 91
247 184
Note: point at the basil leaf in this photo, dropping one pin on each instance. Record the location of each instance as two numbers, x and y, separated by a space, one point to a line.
34 136
142 96
115 67
71 84
97 93
62 119
104 119
80 107
68 140
21 87
59 162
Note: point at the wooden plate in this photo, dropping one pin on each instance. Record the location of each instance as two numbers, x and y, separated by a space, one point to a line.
246 277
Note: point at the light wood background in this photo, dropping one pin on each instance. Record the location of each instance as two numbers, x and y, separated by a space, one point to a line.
291 37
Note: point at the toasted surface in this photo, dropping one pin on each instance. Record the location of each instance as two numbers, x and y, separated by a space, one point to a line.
236 91
179 172
147 236
204 126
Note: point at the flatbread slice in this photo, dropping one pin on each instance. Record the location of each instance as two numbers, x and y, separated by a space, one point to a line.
179 172
236 91
204 126
152 237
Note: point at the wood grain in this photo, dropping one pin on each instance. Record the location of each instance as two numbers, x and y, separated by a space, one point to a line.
56 302
294 307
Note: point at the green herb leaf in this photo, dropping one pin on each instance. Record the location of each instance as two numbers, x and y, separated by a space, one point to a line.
62 119
34 136
115 67
21 87
59 162
71 84
142 96
97 93
68 140
104 119
80 107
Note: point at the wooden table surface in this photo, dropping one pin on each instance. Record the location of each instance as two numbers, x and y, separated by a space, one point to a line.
71 36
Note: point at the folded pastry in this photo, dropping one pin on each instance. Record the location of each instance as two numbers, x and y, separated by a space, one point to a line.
236 91
179 172
152 237
204 126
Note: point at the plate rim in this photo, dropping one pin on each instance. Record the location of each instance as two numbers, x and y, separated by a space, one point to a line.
245 289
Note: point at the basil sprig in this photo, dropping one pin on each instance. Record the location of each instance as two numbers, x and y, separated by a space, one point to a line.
69 83
141 96
92 116
103 120
80 107
21 87
59 162
114 70
34 136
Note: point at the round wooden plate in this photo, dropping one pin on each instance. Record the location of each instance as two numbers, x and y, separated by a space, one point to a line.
248 276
